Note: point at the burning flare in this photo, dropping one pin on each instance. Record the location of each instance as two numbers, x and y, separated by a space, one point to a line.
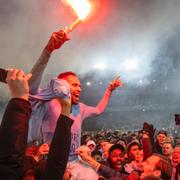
81 7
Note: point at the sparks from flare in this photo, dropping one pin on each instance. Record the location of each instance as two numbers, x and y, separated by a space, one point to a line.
82 9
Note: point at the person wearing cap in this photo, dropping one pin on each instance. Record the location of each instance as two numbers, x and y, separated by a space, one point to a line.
156 166
116 157
114 168
43 122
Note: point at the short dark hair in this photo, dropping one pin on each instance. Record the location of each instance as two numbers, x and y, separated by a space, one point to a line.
167 142
162 132
102 139
65 74
133 143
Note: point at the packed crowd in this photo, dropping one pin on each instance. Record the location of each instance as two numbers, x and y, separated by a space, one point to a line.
41 135
133 154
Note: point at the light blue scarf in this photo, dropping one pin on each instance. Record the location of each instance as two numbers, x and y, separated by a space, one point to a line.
55 88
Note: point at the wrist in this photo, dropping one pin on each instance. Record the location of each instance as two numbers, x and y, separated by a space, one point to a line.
48 50
110 89
95 165
25 97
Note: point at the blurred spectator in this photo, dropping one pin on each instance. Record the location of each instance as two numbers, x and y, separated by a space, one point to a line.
114 168
103 142
32 164
136 164
167 149
105 146
122 142
97 155
85 138
176 163
91 145
116 157
106 151
157 165
80 169
132 149
160 138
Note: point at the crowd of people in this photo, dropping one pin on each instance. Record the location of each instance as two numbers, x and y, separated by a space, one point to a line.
130 152
41 133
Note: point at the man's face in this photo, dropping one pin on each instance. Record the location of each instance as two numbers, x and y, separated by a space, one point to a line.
133 151
75 88
149 166
105 149
176 155
139 156
103 144
161 138
167 149
116 158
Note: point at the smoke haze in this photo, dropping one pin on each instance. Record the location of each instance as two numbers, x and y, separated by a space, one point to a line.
119 30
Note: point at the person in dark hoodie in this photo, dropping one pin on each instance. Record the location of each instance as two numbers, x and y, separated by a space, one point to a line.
160 138
14 131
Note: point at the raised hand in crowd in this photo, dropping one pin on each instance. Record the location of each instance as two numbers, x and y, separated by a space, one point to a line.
115 83
17 82
85 154
14 125
42 151
149 128
57 40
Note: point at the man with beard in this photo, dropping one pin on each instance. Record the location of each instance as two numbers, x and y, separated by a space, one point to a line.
43 122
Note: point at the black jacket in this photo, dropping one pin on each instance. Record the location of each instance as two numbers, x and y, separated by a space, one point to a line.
13 142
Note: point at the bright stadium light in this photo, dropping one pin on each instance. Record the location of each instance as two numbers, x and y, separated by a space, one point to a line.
88 83
100 65
130 65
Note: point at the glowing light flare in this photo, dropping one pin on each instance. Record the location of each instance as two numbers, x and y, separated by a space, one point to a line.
88 83
81 7
130 65
100 65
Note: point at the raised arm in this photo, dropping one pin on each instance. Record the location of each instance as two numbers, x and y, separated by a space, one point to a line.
101 169
91 111
14 126
148 139
60 145
56 40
